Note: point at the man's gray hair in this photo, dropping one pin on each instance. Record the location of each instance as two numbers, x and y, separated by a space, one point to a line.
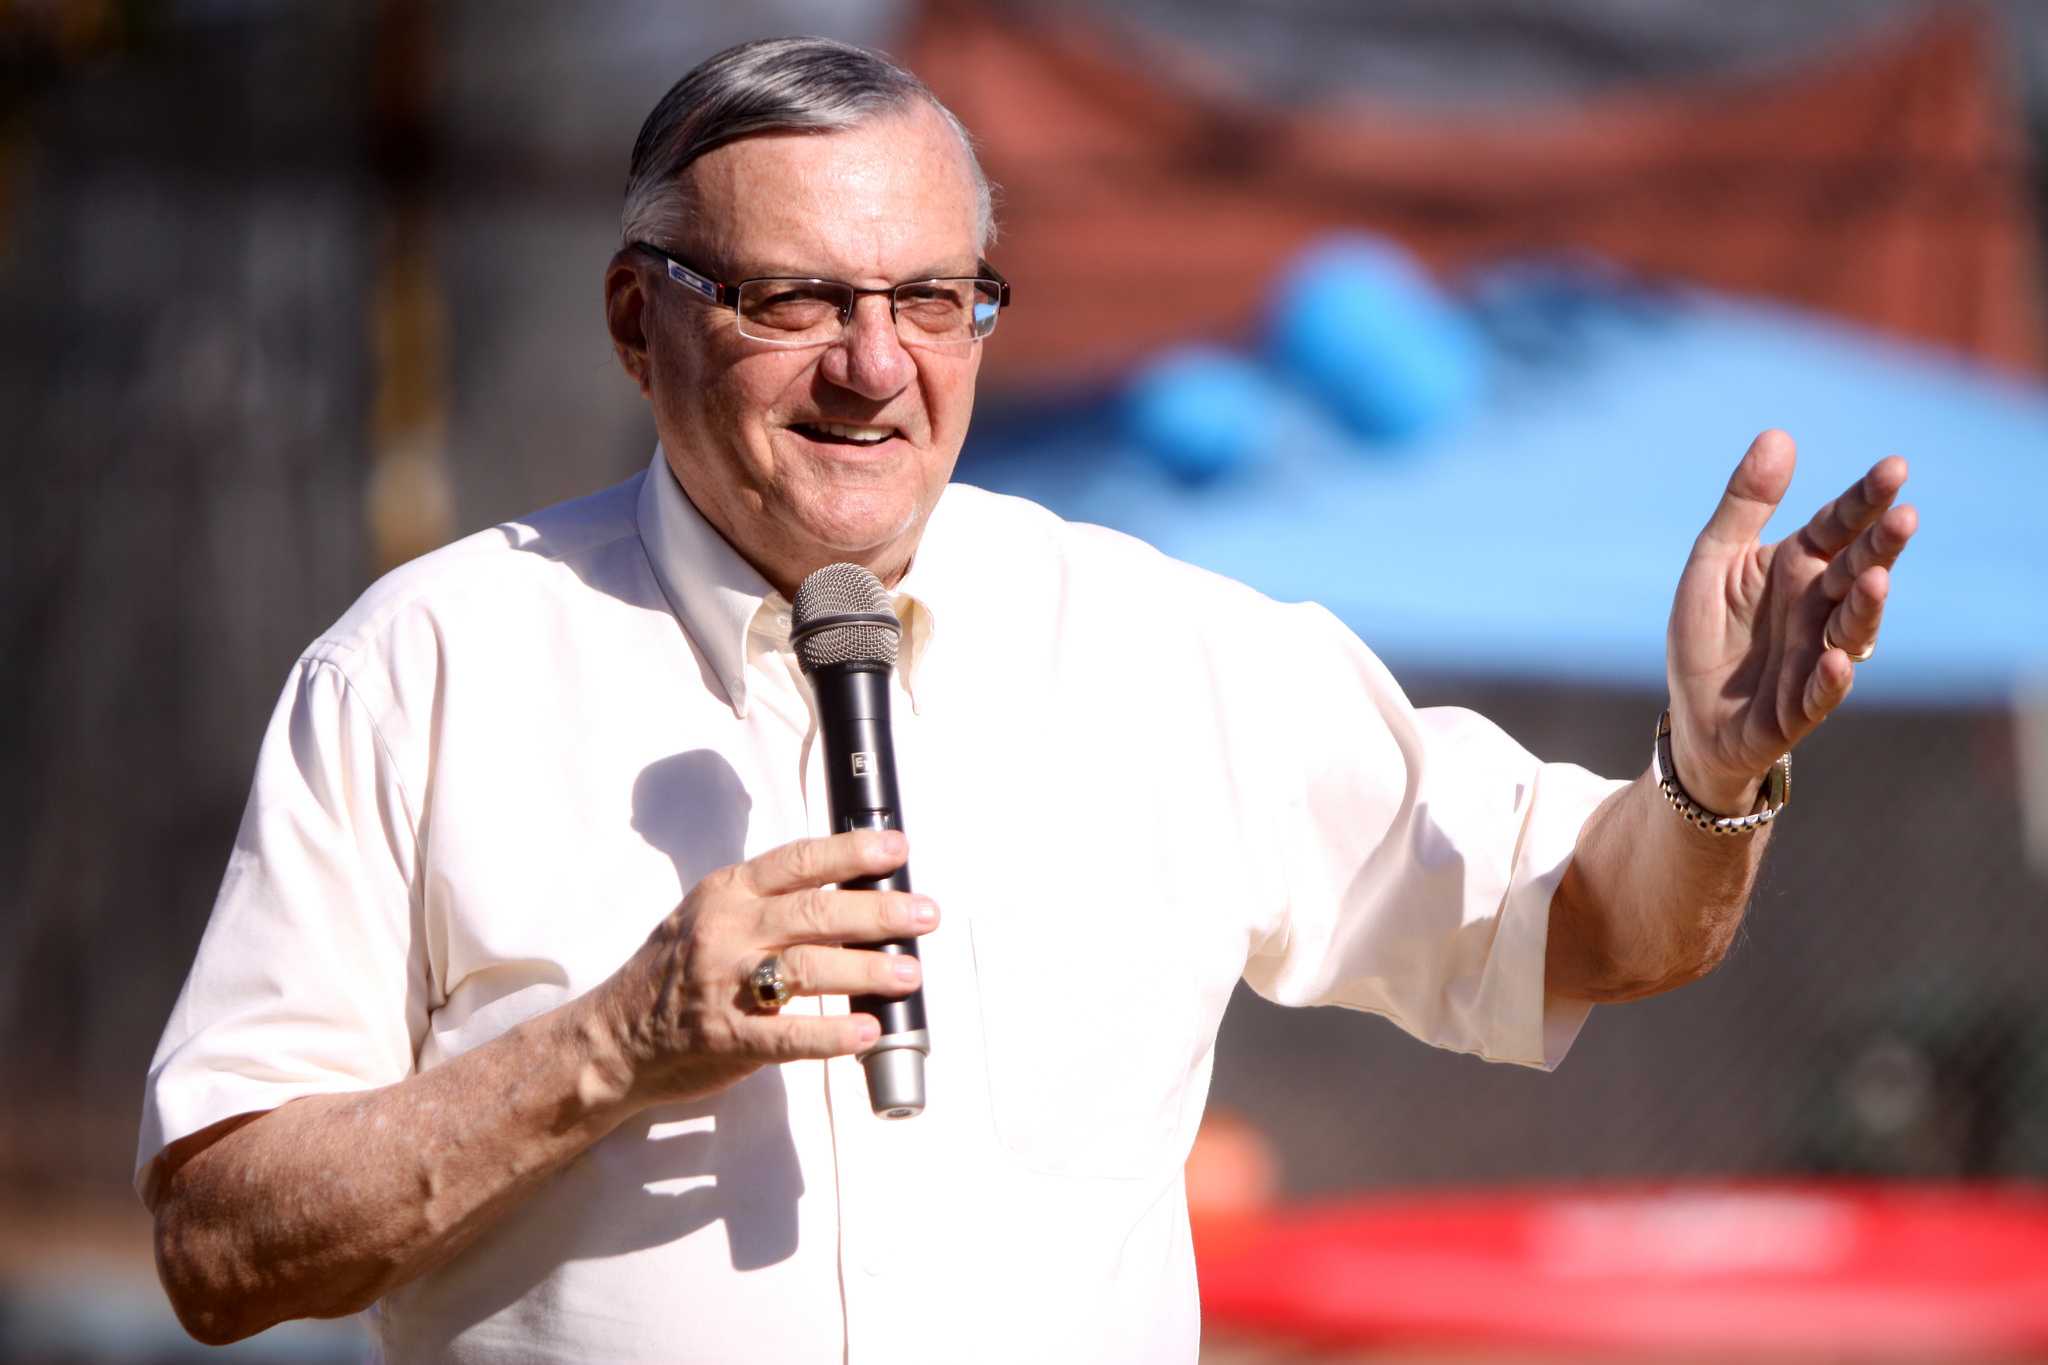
773 85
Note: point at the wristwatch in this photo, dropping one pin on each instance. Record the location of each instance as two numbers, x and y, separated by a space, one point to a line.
1775 796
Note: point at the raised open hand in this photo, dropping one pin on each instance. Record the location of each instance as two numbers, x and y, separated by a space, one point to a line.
1764 639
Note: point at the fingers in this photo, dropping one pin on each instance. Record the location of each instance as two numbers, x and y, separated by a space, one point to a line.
1827 686
828 915
1845 518
802 1037
1852 626
815 862
1753 491
1878 546
814 969
693 1022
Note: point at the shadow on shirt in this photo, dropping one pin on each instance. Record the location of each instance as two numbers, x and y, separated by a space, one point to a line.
693 807
672 1171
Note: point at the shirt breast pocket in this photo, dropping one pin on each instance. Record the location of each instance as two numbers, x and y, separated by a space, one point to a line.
1093 1028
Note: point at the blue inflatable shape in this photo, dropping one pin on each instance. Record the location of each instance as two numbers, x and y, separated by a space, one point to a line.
1201 411
1359 323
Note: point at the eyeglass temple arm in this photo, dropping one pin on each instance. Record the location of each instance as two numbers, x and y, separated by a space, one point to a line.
725 295
1002 285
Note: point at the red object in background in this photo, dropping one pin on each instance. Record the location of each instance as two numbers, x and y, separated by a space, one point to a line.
1147 199
1928 1270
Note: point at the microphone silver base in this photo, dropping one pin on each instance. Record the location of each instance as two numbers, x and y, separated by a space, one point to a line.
895 1067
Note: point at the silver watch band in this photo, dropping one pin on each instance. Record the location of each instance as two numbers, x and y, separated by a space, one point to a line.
1776 793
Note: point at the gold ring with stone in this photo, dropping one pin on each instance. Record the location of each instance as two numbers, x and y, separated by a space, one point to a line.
769 984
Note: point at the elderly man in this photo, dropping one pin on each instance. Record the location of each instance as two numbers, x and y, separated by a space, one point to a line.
453 1048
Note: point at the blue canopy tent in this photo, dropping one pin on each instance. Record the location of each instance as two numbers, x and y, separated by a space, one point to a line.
1540 532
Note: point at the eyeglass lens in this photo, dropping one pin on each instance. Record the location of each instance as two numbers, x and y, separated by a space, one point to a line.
928 312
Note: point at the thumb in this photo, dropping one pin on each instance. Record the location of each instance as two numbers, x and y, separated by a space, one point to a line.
1753 491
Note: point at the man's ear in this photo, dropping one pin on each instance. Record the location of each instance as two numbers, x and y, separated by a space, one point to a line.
625 311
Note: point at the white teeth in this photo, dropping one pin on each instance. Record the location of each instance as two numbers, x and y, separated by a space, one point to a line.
847 433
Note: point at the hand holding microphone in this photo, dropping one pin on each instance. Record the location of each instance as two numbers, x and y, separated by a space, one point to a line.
684 1017
699 1006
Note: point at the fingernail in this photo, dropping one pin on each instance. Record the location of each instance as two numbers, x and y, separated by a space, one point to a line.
867 1028
890 843
904 967
915 913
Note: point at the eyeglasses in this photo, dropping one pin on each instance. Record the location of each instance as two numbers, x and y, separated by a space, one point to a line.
954 311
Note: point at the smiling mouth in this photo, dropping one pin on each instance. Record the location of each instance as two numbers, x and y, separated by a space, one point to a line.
843 433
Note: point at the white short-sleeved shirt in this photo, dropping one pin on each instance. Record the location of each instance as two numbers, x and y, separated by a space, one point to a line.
1127 782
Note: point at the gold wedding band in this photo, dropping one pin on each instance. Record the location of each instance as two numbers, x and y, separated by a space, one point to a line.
1828 641
769 985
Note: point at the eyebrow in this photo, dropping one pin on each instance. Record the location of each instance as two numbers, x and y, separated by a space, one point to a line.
781 271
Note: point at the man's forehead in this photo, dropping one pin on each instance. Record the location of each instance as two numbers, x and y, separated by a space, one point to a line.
893 196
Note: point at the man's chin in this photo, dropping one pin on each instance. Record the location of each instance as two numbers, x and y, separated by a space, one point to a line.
856 526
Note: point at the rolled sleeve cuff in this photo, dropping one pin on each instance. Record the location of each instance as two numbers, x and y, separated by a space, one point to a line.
1539 1028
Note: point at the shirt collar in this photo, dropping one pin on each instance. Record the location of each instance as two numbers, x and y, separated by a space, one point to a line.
720 598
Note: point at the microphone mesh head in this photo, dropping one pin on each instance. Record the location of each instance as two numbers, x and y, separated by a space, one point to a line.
843 590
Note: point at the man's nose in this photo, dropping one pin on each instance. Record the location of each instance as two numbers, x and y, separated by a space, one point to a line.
869 358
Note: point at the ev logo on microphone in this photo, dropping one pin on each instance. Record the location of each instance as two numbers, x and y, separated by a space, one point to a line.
863 763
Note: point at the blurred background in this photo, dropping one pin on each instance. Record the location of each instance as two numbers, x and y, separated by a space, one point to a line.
1451 314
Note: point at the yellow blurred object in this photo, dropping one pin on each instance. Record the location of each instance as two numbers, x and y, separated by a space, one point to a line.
409 501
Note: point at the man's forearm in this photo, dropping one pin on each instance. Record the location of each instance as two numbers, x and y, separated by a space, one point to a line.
321 1206
325 1204
1648 902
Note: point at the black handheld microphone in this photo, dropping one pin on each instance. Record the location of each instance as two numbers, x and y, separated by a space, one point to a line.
846 636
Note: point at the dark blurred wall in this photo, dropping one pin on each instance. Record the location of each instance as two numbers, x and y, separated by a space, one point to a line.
187 263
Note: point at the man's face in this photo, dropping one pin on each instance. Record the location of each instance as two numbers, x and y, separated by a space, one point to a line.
775 445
